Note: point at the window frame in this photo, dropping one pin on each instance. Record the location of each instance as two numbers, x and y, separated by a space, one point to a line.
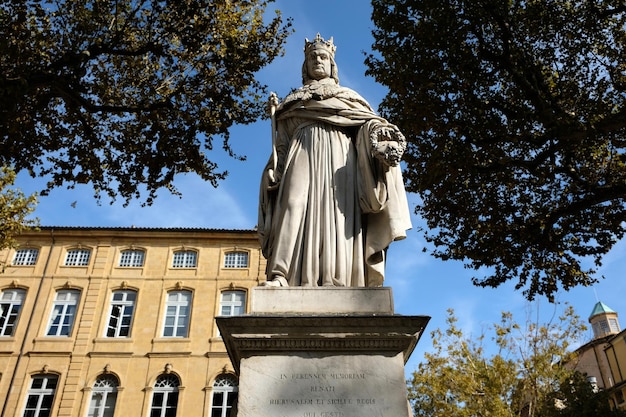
79 257
233 303
106 386
137 258
225 388
167 385
603 327
124 305
234 259
177 305
27 257
40 394
12 307
187 255
65 305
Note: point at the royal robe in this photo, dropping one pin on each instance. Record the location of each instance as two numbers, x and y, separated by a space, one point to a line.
328 208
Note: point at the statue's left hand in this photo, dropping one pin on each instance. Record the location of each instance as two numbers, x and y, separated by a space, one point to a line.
388 144
389 152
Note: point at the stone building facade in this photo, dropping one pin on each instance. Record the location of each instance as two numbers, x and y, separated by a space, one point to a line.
120 321
615 350
603 359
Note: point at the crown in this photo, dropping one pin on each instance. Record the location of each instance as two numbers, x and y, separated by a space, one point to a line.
320 43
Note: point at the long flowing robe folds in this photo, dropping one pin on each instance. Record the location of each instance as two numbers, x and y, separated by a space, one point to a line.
334 209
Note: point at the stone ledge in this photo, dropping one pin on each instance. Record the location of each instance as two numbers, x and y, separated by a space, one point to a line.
327 300
252 335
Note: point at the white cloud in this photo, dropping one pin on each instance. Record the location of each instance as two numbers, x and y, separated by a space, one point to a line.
201 205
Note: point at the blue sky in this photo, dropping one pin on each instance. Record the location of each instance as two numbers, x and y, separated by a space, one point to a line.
422 285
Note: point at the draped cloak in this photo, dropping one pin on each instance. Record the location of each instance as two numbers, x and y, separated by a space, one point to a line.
334 208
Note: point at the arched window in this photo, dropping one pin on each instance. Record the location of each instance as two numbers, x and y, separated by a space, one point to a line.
185 259
63 313
10 306
121 313
233 303
26 257
237 259
132 258
224 396
177 311
40 396
103 397
165 396
77 257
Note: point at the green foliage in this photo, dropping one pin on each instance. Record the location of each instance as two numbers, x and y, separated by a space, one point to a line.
576 397
516 116
15 207
124 93
458 378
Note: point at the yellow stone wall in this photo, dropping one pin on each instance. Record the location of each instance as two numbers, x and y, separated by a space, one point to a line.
592 362
615 350
136 360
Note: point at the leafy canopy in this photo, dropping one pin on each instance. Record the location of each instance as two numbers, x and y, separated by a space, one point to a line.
128 93
15 208
524 376
516 116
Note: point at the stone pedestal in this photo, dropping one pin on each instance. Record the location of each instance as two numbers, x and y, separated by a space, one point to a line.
321 352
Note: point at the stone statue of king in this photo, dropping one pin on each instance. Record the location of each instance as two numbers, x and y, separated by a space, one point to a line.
332 197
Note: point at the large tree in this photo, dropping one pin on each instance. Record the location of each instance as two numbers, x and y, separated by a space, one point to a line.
523 374
124 94
516 116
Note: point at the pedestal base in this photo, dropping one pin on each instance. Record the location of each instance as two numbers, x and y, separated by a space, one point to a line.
321 365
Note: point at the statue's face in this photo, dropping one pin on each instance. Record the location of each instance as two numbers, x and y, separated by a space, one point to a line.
318 64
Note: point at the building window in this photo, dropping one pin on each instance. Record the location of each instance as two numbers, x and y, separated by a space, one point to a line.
177 312
26 257
185 259
613 325
63 313
132 258
103 397
165 396
77 257
121 313
604 326
40 396
224 396
233 303
597 329
10 306
236 260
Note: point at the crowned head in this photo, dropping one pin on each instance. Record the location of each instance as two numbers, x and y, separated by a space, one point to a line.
320 43
314 49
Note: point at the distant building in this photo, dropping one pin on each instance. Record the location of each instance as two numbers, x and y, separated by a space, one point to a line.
104 322
603 359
